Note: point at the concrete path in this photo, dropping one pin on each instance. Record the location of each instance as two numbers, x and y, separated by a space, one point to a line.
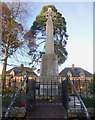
47 111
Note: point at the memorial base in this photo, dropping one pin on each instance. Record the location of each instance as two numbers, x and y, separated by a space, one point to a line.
48 90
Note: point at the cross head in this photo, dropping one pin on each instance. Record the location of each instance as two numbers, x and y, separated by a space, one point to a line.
49 13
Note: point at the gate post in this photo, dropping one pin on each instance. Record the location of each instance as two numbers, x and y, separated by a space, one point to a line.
65 98
30 93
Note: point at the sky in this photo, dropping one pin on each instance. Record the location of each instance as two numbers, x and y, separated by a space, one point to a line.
79 18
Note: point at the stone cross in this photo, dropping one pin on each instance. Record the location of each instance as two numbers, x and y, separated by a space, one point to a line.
49 13
49 32
49 64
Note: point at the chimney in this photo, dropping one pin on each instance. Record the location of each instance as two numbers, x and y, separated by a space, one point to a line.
72 66
21 65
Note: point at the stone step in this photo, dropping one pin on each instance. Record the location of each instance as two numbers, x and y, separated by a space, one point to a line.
47 111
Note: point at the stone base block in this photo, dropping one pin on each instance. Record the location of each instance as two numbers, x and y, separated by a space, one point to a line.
49 67
17 112
48 90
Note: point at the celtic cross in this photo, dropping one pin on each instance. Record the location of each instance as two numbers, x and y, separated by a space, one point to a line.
49 13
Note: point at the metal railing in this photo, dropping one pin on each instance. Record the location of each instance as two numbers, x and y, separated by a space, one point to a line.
48 93
15 97
47 85
79 98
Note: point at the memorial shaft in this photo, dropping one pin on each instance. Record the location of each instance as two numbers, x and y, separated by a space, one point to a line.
49 33
49 64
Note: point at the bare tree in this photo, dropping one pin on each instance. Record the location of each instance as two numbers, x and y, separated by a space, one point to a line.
12 32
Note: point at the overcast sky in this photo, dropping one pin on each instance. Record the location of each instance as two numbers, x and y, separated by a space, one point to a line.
79 18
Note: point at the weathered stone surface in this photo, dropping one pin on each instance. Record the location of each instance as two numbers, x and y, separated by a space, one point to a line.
17 112
49 75
49 64
74 112
49 67
49 32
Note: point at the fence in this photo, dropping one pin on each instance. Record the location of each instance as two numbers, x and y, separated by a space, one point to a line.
79 98
15 97
48 92
52 92
85 91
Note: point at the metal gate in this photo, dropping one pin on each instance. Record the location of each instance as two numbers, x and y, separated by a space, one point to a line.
48 93
42 92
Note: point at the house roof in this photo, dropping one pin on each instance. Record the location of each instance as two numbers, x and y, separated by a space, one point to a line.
21 70
74 71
